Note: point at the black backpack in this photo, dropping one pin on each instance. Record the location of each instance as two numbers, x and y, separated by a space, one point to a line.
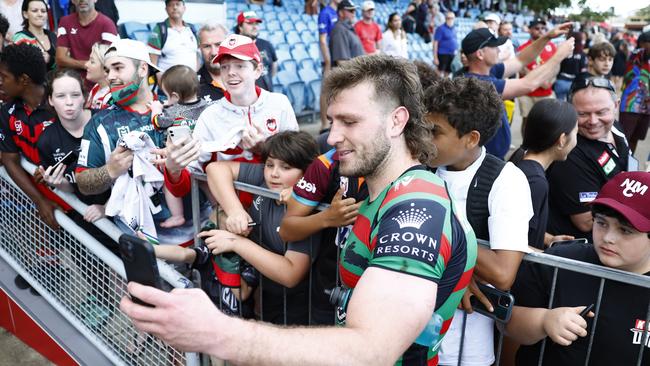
478 193
163 33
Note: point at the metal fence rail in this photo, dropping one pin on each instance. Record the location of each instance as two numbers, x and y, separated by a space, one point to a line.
79 277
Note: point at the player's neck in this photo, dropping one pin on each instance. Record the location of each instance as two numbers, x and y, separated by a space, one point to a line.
395 164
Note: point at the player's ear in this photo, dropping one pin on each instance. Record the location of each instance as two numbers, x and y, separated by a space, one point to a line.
398 120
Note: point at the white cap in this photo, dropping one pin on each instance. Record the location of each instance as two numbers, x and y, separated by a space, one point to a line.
367 5
131 48
493 17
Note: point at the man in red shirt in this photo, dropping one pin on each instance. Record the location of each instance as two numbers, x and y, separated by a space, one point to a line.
536 28
78 32
367 29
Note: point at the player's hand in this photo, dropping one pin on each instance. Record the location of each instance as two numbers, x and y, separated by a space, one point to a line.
564 325
473 290
186 319
559 30
46 209
219 241
94 213
119 162
238 223
252 136
180 155
342 211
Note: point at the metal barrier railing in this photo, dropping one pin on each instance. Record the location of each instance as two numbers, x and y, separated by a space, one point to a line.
79 277
604 273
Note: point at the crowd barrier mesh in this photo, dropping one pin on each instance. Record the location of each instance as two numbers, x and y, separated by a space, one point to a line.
64 267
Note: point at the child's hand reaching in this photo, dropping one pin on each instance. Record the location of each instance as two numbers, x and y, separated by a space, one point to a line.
219 241
156 107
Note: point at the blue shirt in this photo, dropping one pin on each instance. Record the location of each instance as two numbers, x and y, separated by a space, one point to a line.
499 144
446 38
326 19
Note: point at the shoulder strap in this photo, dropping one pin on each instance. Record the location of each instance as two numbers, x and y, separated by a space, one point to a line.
162 26
477 195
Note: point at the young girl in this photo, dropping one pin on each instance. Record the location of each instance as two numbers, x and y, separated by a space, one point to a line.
550 135
100 94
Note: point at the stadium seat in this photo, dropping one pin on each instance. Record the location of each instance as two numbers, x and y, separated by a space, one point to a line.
283 55
282 46
314 50
273 25
289 65
308 75
299 45
276 37
307 63
128 28
287 77
283 17
314 89
300 26
297 96
308 36
287 25
292 37
299 54
141 35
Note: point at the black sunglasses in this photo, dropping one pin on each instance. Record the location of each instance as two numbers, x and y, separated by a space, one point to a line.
596 82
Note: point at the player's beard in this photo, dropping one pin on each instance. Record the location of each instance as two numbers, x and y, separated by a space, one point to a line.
370 158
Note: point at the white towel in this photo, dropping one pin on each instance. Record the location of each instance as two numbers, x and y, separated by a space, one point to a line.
131 196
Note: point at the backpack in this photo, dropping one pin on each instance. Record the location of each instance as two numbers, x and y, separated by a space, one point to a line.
163 33
477 195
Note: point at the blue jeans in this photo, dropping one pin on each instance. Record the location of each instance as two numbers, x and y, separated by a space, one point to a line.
562 88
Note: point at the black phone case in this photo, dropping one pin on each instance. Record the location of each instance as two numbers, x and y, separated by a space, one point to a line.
139 263
501 301
68 159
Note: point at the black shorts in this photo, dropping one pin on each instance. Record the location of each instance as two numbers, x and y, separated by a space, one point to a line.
444 62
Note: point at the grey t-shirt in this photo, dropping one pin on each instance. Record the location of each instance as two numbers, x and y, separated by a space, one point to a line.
344 42
268 214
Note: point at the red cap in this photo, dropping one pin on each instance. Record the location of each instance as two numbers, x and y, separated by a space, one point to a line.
627 193
249 17
238 46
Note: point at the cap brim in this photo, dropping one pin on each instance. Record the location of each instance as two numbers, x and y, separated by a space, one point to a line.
218 58
252 20
635 218
497 42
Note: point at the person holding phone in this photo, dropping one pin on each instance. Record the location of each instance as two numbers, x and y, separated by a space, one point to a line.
60 142
621 240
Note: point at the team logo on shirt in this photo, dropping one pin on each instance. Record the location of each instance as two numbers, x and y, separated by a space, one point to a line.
404 181
306 186
61 32
122 131
18 126
257 203
637 333
603 158
414 217
344 184
271 124
73 30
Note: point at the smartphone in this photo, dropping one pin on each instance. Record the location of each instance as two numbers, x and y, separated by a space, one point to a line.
178 133
68 159
569 242
501 301
586 311
140 263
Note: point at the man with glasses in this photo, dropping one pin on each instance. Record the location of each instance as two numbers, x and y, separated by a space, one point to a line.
344 42
445 45
601 153
537 29
481 48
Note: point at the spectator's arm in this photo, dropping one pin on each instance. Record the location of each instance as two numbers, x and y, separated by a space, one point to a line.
583 221
387 327
11 162
175 253
530 53
94 181
435 53
498 267
518 87
63 59
221 176
530 325
325 51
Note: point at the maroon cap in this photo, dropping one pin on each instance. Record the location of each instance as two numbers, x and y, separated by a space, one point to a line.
627 193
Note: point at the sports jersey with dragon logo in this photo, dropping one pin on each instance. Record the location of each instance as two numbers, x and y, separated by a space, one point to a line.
411 228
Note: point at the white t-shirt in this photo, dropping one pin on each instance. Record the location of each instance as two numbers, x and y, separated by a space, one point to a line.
392 46
507 49
14 15
510 207
181 48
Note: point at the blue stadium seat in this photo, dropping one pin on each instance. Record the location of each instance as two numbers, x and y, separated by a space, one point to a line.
141 35
282 46
283 55
264 34
273 25
300 26
289 65
292 37
299 45
308 75
307 63
314 50
128 28
313 26
276 37
297 96
299 54
287 25
308 36
287 77
283 17
295 17
314 90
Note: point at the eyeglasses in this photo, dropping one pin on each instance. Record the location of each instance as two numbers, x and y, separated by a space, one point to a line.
596 82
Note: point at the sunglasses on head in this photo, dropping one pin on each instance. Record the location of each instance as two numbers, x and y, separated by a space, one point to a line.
596 82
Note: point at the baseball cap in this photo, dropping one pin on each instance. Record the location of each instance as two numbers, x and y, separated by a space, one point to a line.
367 5
347 5
627 193
238 46
131 48
249 17
493 17
644 37
168 1
536 21
479 38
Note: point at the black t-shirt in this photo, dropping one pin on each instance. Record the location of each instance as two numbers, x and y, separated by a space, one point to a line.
209 90
622 313
268 58
53 145
573 66
576 182
539 193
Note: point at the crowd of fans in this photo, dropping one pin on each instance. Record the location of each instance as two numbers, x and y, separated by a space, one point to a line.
411 160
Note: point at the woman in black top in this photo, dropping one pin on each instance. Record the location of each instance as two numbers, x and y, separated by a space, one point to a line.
34 32
550 135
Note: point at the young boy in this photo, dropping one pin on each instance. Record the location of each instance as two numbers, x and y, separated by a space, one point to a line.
182 107
286 156
493 195
600 59
621 240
